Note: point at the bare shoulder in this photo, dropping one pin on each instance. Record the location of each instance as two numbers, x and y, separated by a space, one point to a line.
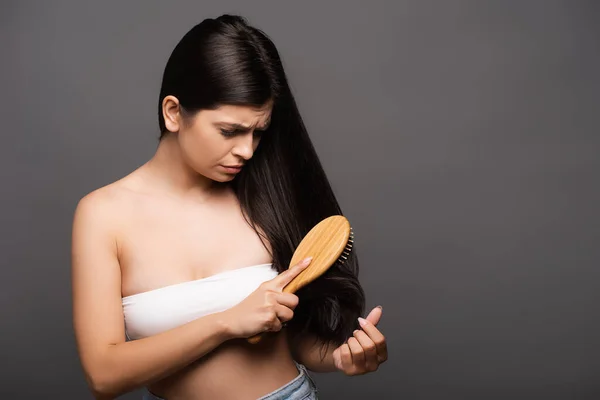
105 206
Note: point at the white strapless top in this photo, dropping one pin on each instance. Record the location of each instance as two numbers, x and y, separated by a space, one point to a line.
149 313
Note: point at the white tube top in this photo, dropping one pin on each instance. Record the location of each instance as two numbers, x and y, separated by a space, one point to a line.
149 313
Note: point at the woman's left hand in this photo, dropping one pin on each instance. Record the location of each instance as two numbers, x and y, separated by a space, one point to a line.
365 350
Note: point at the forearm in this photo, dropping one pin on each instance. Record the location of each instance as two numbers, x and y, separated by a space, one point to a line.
127 366
314 354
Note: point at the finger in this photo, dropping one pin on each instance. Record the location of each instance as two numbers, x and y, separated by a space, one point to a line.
284 314
375 315
281 280
371 361
337 359
289 300
346 357
358 355
376 336
276 325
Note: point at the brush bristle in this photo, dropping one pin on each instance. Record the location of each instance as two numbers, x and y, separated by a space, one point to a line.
346 253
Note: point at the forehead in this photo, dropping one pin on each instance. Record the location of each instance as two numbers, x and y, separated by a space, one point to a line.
243 115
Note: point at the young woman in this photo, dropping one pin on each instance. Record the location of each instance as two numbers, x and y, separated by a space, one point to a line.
177 263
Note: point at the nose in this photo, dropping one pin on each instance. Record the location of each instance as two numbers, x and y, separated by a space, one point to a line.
244 147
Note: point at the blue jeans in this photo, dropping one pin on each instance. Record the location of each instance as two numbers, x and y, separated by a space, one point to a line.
301 387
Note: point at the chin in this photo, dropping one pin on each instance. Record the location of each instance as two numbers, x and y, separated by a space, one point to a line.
223 178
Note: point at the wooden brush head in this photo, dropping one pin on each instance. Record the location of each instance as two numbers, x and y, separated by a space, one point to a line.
327 242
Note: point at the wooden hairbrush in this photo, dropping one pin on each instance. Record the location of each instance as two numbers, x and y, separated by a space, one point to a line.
329 241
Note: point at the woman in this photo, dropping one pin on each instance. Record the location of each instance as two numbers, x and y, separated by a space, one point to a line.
177 263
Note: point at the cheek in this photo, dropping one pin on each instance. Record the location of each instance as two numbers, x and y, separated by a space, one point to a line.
201 149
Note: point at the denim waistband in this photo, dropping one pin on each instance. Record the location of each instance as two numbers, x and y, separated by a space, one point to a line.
302 387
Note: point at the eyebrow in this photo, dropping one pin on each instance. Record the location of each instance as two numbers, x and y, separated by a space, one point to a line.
241 127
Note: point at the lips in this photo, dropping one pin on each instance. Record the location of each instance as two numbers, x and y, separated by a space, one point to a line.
232 170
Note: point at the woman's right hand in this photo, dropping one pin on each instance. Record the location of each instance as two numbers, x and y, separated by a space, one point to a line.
267 308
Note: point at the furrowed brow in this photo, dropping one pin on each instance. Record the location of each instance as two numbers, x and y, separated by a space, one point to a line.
240 127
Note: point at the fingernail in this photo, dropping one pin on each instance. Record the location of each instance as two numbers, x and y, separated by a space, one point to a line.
354 333
306 261
380 307
362 321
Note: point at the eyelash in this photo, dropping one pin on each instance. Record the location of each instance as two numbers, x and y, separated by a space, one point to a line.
227 133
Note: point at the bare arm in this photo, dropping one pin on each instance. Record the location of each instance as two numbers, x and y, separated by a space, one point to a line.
313 354
113 366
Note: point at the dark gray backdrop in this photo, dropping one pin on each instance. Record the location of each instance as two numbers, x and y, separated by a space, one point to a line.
460 136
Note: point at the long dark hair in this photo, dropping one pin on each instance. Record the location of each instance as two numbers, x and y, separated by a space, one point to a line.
283 189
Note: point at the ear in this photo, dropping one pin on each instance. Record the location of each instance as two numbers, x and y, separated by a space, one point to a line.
171 113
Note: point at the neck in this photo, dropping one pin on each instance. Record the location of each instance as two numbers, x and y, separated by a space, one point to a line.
170 172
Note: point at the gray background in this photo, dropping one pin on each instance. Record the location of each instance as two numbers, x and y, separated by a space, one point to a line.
461 138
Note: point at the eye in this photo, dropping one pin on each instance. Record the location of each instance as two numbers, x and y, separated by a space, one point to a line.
227 133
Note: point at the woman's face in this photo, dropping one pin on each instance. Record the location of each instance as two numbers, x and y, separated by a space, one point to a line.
212 140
